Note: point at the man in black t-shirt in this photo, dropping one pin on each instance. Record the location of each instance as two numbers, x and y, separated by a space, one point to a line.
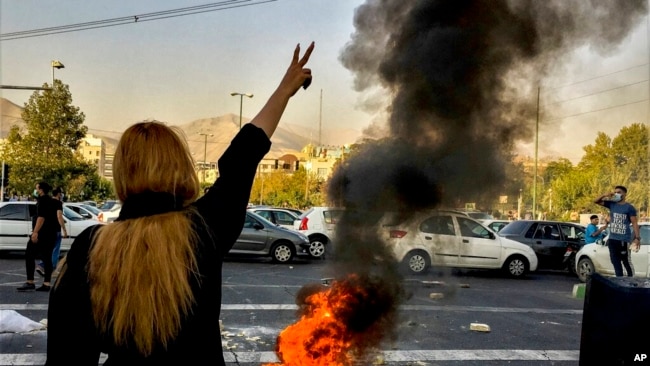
43 238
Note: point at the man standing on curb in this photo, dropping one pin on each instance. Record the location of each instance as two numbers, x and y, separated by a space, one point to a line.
621 215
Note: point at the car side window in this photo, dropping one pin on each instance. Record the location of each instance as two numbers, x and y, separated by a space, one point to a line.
472 229
332 217
547 232
283 218
533 233
249 222
265 214
441 225
571 233
14 212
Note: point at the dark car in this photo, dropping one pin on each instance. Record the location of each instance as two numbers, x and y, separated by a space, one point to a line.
549 240
260 237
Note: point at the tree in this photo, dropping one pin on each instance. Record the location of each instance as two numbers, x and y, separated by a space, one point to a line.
294 189
47 150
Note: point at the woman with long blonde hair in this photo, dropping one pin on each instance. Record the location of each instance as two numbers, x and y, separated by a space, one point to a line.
146 289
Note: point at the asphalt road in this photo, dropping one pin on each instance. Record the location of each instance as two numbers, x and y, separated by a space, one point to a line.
533 321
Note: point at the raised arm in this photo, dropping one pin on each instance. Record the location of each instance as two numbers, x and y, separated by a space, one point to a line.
269 116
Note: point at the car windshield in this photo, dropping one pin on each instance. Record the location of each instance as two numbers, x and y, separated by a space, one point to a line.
71 215
108 205
260 218
92 209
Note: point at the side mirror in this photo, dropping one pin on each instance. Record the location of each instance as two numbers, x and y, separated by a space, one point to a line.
258 226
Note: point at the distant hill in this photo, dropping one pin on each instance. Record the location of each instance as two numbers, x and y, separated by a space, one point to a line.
287 139
10 116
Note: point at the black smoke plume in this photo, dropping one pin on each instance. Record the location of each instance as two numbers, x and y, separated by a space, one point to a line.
461 78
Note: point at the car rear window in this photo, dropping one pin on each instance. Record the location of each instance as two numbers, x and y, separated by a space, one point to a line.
332 217
515 227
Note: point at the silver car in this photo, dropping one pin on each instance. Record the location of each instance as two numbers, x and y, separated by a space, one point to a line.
261 237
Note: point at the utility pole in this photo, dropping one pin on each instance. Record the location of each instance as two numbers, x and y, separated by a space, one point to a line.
205 151
536 152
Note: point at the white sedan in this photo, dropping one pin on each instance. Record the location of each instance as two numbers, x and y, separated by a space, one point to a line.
450 239
595 258
16 225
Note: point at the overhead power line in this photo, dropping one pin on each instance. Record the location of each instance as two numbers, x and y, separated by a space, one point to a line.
139 18
595 93
592 78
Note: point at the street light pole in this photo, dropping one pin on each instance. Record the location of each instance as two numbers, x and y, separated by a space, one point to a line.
205 151
56 64
241 103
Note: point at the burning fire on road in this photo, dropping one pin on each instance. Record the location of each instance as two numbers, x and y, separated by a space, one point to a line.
339 325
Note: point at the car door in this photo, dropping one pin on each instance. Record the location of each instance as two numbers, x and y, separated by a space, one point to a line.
641 259
478 247
15 226
253 237
549 245
438 235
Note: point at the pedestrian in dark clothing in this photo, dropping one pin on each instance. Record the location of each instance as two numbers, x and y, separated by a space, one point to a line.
146 289
41 243
622 215
57 196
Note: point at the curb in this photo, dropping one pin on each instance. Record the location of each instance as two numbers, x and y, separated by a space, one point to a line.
579 290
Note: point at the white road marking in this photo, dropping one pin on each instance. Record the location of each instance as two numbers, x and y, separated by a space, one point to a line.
388 356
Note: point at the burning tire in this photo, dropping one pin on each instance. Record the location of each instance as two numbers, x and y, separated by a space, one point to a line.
516 266
282 252
317 246
585 269
417 262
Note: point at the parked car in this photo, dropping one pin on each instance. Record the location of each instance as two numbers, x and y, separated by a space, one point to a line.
279 216
85 211
595 257
16 225
111 209
319 224
495 225
549 240
451 239
260 237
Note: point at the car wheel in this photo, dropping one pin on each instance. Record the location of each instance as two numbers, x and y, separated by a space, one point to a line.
417 262
516 266
317 246
282 252
585 269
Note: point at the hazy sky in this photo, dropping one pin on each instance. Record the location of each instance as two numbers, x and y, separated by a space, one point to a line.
182 69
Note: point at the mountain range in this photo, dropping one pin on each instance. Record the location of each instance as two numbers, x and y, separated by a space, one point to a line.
287 139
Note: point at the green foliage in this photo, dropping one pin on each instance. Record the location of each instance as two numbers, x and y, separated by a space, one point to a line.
623 160
46 151
291 189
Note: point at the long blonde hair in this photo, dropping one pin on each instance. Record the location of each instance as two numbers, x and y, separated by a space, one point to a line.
140 268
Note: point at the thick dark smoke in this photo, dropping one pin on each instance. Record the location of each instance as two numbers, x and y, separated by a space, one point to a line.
462 78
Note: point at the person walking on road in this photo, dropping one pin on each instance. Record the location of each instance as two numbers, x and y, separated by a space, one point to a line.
41 243
146 289
57 196
622 215
593 233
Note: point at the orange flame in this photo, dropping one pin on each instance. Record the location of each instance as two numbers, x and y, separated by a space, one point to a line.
337 326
